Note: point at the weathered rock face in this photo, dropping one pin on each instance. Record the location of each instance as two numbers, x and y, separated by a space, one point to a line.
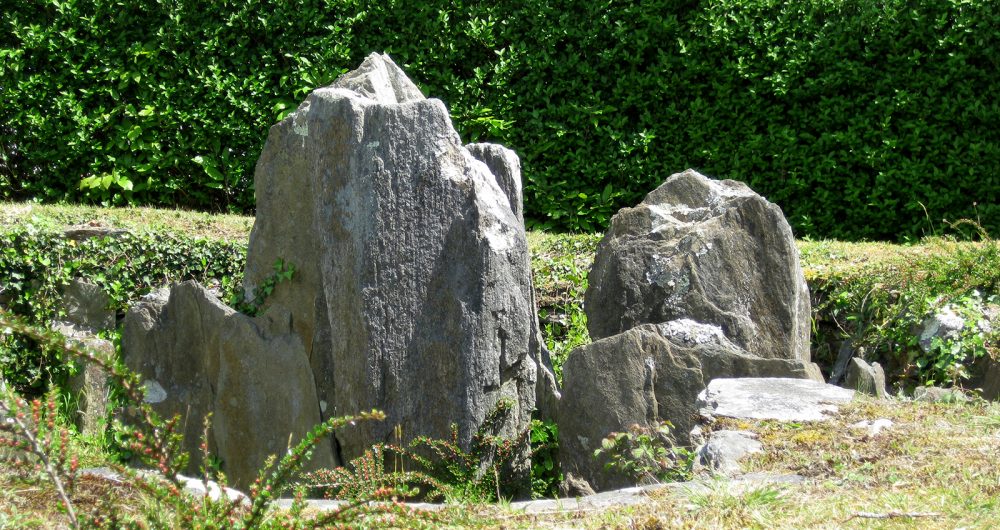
642 376
87 306
198 356
700 281
711 251
90 384
88 312
412 289
412 293
506 167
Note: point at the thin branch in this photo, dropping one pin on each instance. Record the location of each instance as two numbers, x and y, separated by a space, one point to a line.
38 450
892 515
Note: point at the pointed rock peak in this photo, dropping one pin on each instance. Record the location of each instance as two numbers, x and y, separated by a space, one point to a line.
379 79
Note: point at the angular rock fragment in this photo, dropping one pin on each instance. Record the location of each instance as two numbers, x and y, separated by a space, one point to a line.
197 356
866 378
724 450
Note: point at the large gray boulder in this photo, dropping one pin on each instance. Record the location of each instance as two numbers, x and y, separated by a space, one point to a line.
197 356
710 251
645 375
412 293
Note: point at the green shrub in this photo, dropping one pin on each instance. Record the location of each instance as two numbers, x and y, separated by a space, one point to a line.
860 119
36 264
881 308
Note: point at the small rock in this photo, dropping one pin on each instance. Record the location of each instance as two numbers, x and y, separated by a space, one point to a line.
873 427
945 325
725 449
196 488
88 306
91 383
574 486
866 378
697 436
93 229
933 394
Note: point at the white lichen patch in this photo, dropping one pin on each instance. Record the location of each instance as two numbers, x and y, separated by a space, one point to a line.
693 332
154 391
663 216
300 123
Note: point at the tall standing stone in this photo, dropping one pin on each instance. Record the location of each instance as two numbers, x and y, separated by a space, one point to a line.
412 293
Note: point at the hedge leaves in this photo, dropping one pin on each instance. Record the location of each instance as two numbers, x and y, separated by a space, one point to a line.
861 119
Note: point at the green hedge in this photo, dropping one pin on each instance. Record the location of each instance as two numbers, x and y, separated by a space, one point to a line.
861 119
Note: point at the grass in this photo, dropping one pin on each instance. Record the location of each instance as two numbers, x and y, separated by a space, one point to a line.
937 467
189 223
561 261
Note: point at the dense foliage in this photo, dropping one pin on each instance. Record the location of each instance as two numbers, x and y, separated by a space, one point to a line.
36 264
879 311
861 119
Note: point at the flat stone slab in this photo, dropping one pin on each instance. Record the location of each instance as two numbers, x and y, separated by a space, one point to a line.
772 398
597 501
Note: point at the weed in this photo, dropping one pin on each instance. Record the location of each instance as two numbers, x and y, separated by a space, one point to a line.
433 469
545 474
647 454
283 272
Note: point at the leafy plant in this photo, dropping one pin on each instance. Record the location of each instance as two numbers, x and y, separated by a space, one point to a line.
560 266
283 272
434 469
646 453
947 358
853 116
545 474
37 262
